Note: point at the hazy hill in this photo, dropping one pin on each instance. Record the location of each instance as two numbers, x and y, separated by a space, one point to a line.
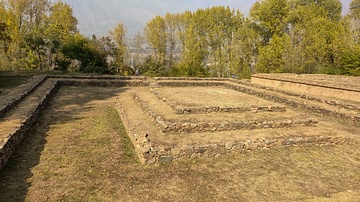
99 16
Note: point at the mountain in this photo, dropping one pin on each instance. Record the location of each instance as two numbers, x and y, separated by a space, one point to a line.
99 16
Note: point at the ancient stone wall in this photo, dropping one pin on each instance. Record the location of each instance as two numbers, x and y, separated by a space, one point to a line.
103 83
13 99
232 84
164 154
9 145
342 104
294 103
108 77
308 87
149 153
168 126
179 109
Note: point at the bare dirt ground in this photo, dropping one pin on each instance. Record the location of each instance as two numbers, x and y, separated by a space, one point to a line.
215 96
79 151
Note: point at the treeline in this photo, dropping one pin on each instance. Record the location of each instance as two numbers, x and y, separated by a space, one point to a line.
39 35
297 36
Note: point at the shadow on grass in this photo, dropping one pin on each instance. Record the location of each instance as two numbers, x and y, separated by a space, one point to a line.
15 176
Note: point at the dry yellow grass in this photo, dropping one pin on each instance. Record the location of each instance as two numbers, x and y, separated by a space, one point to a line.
79 151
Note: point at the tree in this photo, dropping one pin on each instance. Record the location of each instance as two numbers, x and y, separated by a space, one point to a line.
271 57
313 36
61 22
195 47
171 41
244 50
354 20
137 45
355 9
5 38
21 18
118 36
82 52
36 12
35 43
155 34
350 61
270 16
332 8
222 24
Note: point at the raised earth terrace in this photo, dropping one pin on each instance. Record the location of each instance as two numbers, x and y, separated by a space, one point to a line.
175 118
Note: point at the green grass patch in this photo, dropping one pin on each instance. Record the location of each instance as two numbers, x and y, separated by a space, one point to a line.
115 121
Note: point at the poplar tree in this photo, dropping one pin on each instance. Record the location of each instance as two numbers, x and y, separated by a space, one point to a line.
155 34
118 36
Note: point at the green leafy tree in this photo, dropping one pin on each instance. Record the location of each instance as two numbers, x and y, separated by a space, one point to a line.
155 34
82 52
333 8
244 50
354 20
118 36
350 61
35 43
61 22
271 57
314 36
5 38
195 47
271 17
221 26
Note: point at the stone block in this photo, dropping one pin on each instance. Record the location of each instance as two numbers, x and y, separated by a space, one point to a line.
175 151
165 159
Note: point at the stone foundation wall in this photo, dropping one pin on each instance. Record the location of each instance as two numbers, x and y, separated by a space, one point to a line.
187 83
342 104
168 126
103 83
108 77
293 103
213 109
233 84
143 147
163 154
14 100
158 79
9 145
309 88
150 153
